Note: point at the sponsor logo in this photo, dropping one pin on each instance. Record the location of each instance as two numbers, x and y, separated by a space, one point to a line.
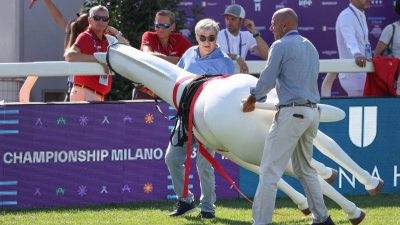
305 28
376 22
363 125
326 28
328 3
376 18
377 3
185 3
260 28
305 3
329 52
376 31
204 4
257 5
279 6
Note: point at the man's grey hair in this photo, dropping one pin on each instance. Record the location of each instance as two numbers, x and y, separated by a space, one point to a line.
206 25
97 8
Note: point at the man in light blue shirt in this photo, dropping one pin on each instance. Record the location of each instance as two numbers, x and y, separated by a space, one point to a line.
292 68
206 58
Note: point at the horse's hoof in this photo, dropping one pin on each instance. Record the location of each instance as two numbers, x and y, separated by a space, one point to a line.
358 220
306 212
331 179
378 188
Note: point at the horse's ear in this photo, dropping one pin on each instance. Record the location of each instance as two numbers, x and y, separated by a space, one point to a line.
111 39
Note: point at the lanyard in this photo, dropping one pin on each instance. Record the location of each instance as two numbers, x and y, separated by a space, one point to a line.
240 43
159 50
94 41
362 27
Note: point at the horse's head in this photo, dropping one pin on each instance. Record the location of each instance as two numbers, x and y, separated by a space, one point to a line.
157 74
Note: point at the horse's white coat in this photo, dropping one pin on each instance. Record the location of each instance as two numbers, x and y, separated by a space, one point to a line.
221 125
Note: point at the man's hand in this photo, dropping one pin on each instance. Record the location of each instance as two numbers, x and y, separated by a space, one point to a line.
249 104
242 65
111 30
361 60
107 70
249 24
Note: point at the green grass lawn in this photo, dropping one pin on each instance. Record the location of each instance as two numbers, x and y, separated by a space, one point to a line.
380 209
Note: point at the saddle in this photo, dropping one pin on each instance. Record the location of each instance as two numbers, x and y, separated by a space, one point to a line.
182 115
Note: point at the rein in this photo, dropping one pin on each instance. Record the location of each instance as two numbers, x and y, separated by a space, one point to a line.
203 80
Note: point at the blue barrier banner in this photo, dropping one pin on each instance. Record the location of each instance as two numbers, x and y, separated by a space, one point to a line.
70 154
368 134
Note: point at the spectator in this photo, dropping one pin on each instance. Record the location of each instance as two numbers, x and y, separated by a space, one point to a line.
92 88
390 31
206 58
292 68
163 43
352 41
77 27
59 18
237 43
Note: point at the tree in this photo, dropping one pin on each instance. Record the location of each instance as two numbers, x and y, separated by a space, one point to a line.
133 18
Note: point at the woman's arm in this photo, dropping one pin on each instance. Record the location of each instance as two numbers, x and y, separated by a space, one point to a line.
380 47
56 14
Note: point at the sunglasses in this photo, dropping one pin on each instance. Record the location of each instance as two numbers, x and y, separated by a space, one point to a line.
98 18
210 38
163 25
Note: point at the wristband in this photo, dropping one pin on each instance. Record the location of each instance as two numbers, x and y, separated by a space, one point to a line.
256 34
237 57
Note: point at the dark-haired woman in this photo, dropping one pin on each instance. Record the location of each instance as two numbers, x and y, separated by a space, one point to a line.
387 35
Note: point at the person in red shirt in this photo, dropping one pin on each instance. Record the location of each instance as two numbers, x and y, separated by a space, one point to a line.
163 43
92 88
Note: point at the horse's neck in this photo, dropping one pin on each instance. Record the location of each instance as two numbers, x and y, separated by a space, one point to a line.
157 74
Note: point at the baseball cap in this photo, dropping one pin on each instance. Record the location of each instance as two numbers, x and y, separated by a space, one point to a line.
235 10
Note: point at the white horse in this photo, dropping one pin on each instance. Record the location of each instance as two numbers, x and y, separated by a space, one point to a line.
221 125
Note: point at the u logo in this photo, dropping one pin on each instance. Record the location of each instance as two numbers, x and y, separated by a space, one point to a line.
362 125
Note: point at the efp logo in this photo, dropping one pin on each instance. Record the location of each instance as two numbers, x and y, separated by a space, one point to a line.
362 125
305 3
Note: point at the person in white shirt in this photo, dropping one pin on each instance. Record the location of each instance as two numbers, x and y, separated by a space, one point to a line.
390 36
352 42
237 43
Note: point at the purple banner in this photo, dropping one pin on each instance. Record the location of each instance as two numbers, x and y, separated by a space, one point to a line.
69 154
317 19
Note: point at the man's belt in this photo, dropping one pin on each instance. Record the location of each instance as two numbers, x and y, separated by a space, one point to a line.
89 89
311 105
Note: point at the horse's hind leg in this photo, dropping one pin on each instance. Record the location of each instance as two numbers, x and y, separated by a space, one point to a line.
330 148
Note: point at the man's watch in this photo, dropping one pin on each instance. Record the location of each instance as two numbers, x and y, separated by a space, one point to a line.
256 34
119 34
